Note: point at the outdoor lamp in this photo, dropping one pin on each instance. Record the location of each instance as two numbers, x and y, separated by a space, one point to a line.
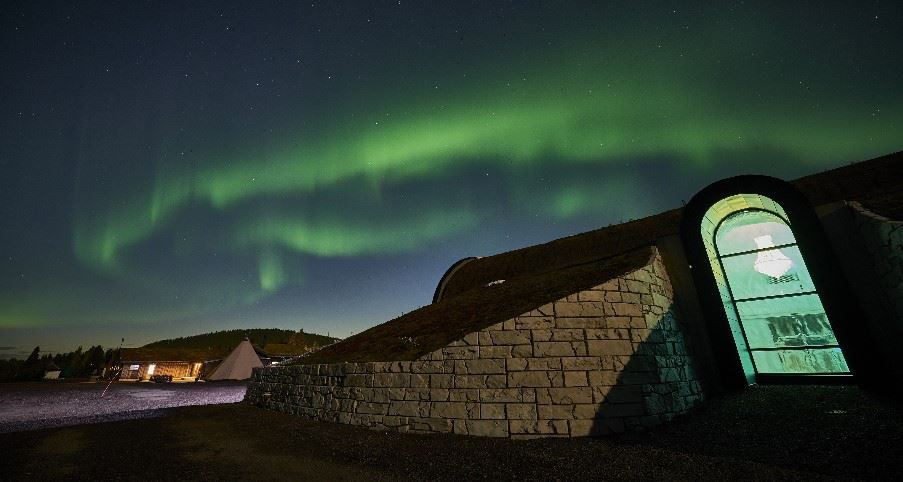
772 262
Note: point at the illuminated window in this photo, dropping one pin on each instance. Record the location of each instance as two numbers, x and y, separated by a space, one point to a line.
776 315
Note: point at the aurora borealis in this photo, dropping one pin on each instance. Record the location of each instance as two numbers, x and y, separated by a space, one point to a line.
173 169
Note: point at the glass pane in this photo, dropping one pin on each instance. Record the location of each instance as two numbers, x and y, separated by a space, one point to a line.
768 273
812 360
748 230
792 330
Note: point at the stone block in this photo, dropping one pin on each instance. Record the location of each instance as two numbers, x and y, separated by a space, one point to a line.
417 394
635 286
607 334
441 381
586 411
542 335
609 347
439 394
615 322
627 309
529 379
496 351
520 411
583 428
379 367
378 395
496 381
396 393
522 351
428 366
459 427
553 349
603 378
442 425
493 411
472 339
579 309
347 405
391 380
399 367
420 380
538 427
543 363
487 428
516 364
591 295
610 285
533 322
583 322
464 395
455 410
460 352
568 334
544 310
661 300
485 366
555 412
634 298
372 408
503 395
564 396
575 379
469 381
510 337
409 408
581 363
359 380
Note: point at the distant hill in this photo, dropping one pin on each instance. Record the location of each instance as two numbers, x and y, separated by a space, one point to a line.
273 341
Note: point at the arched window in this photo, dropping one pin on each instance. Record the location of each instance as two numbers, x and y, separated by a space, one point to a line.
776 315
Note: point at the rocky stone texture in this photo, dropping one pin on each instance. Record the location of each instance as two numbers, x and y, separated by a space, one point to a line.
604 360
881 241
870 251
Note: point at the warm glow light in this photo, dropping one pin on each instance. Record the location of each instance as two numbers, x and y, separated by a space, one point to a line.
772 262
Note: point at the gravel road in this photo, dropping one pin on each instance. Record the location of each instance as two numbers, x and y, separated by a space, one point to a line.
31 406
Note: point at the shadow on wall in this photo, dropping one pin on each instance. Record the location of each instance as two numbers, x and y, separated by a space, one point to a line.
654 384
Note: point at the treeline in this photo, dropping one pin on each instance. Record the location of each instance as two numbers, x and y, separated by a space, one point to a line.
77 364
261 337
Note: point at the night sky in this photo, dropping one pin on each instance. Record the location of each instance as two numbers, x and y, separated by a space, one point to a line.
169 169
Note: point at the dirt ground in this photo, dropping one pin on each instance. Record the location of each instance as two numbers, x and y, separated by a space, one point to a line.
787 433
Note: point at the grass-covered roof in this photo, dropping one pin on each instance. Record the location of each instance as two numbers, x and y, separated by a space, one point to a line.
539 274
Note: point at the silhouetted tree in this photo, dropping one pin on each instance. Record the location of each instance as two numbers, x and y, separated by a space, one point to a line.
32 368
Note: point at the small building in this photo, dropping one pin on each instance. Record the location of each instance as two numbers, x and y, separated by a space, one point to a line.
187 364
755 281
51 371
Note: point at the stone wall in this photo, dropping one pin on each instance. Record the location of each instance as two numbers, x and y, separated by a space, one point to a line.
870 251
600 361
881 241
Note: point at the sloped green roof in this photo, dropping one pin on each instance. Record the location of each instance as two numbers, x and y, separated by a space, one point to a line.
539 274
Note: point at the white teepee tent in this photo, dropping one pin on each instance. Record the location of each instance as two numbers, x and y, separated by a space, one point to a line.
238 365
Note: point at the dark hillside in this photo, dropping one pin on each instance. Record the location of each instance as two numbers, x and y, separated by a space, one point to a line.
273 341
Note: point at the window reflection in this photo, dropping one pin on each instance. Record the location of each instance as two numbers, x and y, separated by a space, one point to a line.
783 321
